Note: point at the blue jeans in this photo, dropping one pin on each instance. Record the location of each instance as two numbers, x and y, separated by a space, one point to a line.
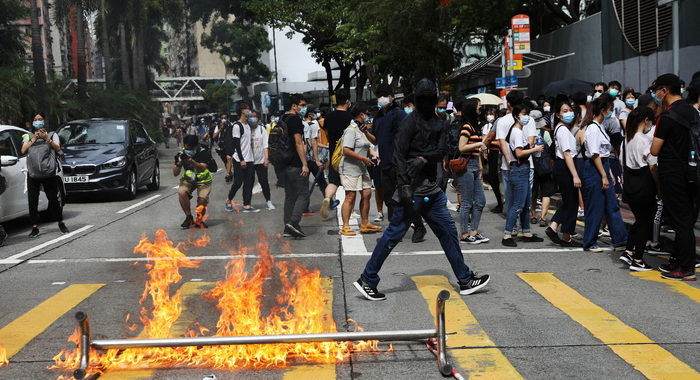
473 198
440 222
508 197
518 190
600 203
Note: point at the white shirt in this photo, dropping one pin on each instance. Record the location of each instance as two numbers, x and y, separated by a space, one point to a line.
246 147
565 141
597 141
517 140
260 143
637 151
619 105
503 126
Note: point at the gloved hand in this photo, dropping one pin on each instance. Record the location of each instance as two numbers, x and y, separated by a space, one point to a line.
414 166
406 195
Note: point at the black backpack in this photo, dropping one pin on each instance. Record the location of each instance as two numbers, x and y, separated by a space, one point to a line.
693 127
279 146
543 163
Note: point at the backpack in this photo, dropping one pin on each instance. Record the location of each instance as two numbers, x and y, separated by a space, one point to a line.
453 130
337 154
42 161
212 165
543 163
279 145
693 127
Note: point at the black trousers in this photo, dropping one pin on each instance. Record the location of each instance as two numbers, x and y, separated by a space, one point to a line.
279 173
261 173
388 188
679 212
51 189
492 176
242 176
566 214
641 230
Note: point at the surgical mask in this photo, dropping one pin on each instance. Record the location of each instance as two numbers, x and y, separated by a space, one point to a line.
546 108
597 95
252 121
302 111
190 152
589 98
273 120
609 115
490 118
408 110
613 92
524 120
656 98
441 110
383 101
314 117
568 117
38 124
630 102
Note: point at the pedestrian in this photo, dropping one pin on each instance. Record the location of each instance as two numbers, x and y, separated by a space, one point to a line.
641 184
598 192
261 158
224 136
296 172
543 185
470 180
519 151
194 159
313 157
354 175
335 124
493 158
203 132
630 99
420 150
42 149
178 136
677 175
279 169
243 161
384 127
566 176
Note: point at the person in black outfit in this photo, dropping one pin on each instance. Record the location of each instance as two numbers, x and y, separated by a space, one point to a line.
335 125
296 174
672 145
420 150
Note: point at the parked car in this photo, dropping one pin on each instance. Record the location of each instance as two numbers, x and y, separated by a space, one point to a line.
105 155
13 168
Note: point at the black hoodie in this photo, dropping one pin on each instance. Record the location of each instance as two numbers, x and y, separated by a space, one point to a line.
421 134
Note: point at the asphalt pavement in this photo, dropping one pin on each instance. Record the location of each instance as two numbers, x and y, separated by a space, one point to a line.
548 312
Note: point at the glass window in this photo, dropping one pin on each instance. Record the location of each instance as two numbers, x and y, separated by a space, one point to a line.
17 139
7 147
92 133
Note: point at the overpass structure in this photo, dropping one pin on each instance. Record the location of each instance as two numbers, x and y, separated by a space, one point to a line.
181 89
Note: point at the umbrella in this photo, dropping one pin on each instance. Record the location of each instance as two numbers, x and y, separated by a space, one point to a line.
487 99
568 87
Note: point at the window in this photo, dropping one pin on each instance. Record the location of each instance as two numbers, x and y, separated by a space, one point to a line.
17 139
644 25
7 147
92 133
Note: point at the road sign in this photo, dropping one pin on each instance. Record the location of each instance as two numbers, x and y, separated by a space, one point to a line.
501 82
521 34
511 81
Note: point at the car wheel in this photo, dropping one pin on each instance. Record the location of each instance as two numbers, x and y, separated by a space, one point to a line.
155 180
131 185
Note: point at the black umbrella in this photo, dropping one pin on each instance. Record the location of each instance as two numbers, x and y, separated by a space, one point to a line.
568 87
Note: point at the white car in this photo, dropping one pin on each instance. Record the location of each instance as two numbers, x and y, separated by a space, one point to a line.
13 167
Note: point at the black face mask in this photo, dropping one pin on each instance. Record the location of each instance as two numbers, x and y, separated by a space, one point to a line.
425 105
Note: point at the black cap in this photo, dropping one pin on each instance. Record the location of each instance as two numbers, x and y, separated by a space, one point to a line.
671 81
384 89
644 100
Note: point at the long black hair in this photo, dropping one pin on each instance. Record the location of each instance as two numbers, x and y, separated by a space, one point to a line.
469 113
637 116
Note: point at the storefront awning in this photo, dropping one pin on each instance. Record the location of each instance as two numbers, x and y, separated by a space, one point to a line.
491 66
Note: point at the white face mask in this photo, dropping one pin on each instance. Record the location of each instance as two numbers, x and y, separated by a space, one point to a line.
589 99
490 118
383 101
546 108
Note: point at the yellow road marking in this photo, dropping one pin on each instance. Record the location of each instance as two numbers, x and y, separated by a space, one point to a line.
316 371
676 286
22 330
187 291
482 363
651 360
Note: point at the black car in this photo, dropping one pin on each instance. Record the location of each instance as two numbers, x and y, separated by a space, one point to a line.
104 155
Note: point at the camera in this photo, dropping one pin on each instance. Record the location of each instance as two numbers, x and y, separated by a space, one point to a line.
181 157
374 160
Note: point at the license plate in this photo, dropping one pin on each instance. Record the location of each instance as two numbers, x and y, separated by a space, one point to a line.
76 179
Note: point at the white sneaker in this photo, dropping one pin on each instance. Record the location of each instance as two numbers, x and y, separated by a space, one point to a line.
270 206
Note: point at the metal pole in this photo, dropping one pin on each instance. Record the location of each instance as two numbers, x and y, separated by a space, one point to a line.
277 82
676 38
512 55
84 323
444 367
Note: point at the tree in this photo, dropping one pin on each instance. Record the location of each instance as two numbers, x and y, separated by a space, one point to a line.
241 43
38 58
218 97
104 43
11 46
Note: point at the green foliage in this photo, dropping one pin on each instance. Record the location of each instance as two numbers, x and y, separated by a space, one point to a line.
218 97
11 45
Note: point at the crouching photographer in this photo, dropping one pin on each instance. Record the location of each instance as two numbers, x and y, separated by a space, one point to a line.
194 162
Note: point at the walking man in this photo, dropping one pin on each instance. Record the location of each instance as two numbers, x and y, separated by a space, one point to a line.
296 174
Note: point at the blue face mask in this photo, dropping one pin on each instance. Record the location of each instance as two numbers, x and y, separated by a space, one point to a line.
408 110
38 124
441 111
613 92
630 102
568 117
609 115
302 112
190 152
252 120
524 120
656 98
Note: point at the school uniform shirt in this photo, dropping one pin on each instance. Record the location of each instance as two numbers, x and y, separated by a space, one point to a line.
638 151
503 126
246 146
597 141
565 142
260 143
517 140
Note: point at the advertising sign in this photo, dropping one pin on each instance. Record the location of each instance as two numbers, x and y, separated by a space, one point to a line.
521 33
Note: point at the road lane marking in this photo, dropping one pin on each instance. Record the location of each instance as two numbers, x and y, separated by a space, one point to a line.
487 363
22 330
650 359
316 371
143 202
578 222
15 259
676 286
490 250
139 259
188 290
351 245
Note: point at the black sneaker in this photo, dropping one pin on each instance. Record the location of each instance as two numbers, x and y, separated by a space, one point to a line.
295 230
34 233
188 223
368 292
626 258
640 267
668 268
532 239
510 242
419 233
63 228
570 244
552 235
497 210
474 284
680 274
229 179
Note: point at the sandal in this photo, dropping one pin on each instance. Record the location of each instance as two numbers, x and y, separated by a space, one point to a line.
369 227
347 231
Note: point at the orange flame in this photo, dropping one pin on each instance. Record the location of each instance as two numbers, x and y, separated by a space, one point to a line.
298 309
202 216
3 356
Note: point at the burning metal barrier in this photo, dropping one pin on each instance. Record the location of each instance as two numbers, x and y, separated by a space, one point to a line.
436 336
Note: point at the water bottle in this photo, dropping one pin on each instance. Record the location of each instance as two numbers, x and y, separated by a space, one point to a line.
540 141
692 167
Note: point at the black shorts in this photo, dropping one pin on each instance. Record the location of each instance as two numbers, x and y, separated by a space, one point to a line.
333 177
375 173
543 186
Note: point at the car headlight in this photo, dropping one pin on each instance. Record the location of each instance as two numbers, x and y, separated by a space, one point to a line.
117 162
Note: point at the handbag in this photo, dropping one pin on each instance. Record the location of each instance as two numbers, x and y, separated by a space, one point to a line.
458 165
638 184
